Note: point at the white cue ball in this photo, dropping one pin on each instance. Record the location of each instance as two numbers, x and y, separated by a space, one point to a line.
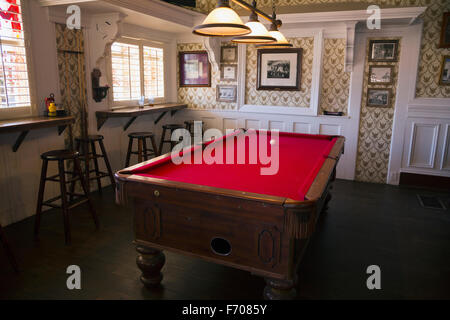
272 142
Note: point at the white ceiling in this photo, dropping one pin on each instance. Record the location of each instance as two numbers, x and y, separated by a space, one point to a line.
132 17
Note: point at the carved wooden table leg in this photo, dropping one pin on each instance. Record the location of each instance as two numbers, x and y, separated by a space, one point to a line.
150 261
279 289
327 200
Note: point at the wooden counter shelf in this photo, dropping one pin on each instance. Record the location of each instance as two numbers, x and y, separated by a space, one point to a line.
24 125
134 112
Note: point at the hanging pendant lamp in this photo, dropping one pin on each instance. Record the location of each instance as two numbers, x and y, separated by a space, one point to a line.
222 22
259 34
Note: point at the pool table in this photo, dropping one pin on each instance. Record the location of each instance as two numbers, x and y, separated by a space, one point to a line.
226 211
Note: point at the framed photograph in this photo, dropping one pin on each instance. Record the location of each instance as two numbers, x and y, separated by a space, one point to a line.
379 98
226 93
279 69
381 74
228 72
195 70
383 50
229 54
444 78
445 31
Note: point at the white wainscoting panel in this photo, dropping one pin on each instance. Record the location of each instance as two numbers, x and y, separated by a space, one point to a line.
330 129
300 127
422 150
253 124
427 143
277 125
445 160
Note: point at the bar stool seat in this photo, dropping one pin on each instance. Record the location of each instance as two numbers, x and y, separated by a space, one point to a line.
143 152
82 145
61 156
171 128
56 155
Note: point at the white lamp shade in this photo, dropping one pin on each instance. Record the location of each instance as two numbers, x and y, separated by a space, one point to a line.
259 34
222 21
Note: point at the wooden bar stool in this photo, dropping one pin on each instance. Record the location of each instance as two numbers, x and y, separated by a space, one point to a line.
61 156
170 128
82 145
8 250
189 126
143 151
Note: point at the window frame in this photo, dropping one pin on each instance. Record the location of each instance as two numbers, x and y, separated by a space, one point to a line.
31 110
141 43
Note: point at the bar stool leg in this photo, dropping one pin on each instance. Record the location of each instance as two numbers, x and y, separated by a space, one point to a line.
108 165
64 203
37 221
140 150
155 148
8 250
85 147
77 168
97 171
162 141
130 145
72 184
144 145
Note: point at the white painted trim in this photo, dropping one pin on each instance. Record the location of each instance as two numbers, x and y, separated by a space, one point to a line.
352 15
241 75
412 145
316 72
299 111
48 3
445 150
409 59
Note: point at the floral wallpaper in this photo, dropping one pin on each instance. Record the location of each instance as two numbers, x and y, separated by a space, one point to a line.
281 98
72 79
430 55
335 81
375 128
201 97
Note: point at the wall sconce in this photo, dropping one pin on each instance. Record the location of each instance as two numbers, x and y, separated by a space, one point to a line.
98 93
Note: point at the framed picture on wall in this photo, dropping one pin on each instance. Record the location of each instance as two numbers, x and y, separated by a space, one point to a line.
383 50
229 54
381 74
379 98
279 69
445 31
228 72
226 93
444 78
195 69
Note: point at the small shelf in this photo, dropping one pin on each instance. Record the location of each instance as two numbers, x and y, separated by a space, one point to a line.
24 126
134 112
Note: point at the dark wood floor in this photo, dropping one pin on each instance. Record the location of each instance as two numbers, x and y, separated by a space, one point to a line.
366 224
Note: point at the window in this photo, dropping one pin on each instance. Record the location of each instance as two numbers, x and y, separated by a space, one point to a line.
14 84
126 72
137 70
154 72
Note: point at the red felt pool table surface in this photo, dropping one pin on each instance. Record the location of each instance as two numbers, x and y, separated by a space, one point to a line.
300 158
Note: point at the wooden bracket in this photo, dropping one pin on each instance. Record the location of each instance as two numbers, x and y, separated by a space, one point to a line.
100 122
129 123
19 140
160 117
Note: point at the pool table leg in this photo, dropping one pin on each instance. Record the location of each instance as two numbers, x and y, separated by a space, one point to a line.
150 261
280 289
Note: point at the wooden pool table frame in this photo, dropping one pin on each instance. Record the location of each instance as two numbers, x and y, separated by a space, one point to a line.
268 234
